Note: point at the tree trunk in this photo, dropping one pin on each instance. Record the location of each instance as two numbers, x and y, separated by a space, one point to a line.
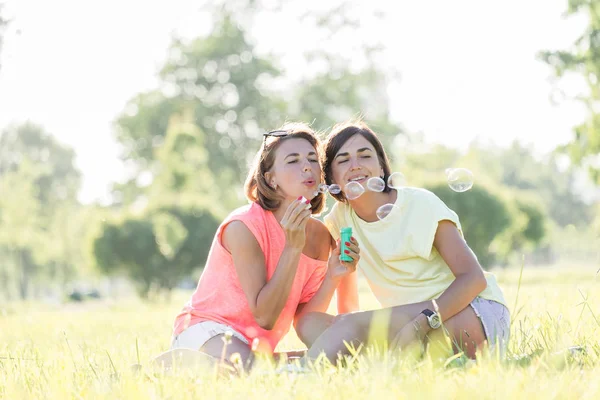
23 268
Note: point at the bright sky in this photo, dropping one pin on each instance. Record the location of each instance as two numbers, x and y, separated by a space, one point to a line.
468 67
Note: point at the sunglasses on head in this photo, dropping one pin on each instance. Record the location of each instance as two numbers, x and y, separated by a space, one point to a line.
276 133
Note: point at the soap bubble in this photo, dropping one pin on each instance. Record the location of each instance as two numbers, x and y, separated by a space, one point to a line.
396 180
376 184
385 210
335 189
353 190
460 179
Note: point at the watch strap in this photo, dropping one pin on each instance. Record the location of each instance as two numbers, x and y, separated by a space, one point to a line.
427 312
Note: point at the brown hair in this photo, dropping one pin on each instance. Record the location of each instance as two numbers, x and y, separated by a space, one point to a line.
258 189
339 135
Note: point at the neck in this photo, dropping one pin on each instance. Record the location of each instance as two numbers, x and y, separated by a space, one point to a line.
366 205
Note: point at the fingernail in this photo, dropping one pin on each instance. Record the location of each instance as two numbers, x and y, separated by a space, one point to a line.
347 251
307 201
352 237
299 198
347 243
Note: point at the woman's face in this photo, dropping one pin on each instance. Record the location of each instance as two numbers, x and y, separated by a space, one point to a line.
296 171
355 161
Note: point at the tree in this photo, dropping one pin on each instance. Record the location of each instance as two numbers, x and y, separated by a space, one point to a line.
59 180
235 94
156 249
21 227
516 169
40 185
583 58
171 236
225 85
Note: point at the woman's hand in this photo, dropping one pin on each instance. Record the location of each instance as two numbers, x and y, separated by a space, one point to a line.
338 269
294 223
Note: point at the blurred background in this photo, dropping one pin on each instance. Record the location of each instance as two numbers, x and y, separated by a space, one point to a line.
127 126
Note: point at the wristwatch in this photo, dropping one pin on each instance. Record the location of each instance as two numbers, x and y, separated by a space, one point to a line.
433 319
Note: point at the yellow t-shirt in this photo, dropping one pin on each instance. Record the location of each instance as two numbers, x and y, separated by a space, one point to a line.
397 256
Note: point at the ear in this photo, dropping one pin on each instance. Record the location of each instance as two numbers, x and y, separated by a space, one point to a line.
270 180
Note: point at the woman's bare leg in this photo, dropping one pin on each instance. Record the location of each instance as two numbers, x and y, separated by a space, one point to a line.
210 354
216 348
182 357
465 330
362 327
312 325
381 326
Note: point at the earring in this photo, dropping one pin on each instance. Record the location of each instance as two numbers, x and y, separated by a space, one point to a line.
274 185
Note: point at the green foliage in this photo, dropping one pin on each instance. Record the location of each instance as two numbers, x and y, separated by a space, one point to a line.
527 229
517 169
227 95
583 58
221 81
21 228
182 168
58 180
39 184
157 249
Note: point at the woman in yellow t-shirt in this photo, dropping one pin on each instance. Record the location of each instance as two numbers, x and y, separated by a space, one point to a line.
415 260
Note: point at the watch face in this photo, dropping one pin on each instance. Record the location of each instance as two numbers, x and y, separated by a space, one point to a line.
434 321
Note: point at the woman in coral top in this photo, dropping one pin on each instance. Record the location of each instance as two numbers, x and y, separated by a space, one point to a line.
270 262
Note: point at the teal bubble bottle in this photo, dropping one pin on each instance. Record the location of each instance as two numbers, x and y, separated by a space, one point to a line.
345 235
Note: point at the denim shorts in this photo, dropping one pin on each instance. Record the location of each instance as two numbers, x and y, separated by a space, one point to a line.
495 319
195 336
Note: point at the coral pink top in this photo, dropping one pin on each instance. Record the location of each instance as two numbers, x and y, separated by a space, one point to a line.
219 296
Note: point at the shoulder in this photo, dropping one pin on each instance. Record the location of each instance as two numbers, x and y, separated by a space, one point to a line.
237 236
420 195
422 199
253 216
239 229
337 213
318 234
425 205
318 228
249 210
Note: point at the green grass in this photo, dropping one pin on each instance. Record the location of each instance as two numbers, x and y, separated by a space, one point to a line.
85 350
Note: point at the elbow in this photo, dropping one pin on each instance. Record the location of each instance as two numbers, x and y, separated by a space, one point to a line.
480 283
265 322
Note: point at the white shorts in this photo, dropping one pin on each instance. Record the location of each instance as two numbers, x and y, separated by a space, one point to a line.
195 336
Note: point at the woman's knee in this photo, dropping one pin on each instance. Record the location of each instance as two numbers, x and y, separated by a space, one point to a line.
182 357
466 332
311 325
359 323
